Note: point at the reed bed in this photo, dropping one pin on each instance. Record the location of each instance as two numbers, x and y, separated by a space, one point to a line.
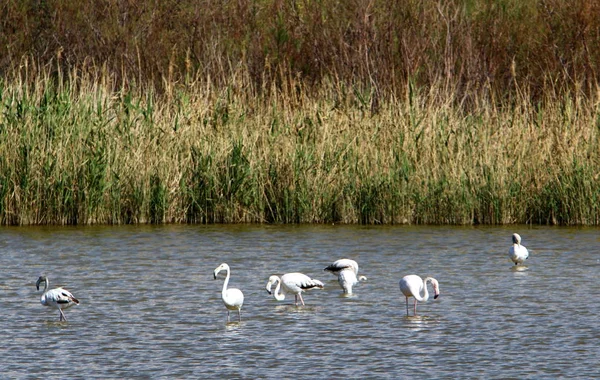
271 111
80 149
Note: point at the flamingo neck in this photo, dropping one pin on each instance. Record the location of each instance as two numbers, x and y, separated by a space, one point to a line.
44 291
278 296
425 295
225 283
347 286
46 286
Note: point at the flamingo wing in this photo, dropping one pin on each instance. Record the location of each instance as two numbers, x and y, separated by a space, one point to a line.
234 299
59 297
342 264
518 254
411 285
298 282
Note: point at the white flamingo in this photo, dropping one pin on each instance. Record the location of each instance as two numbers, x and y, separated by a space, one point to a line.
294 283
518 253
347 272
412 286
59 298
233 298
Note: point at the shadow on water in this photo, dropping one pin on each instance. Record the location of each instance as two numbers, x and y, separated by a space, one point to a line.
297 309
234 325
519 268
57 324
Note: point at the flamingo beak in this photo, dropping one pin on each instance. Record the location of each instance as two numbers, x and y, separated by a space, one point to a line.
436 296
269 284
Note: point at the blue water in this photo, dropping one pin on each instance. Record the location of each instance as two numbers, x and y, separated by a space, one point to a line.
150 307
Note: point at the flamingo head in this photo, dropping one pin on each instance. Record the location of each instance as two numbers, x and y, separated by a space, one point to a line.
436 288
40 280
516 239
272 280
220 268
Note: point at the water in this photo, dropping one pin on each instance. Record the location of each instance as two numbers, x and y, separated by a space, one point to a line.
150 307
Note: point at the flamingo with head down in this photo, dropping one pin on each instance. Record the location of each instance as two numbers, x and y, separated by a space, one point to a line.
347 272
413 286
295 283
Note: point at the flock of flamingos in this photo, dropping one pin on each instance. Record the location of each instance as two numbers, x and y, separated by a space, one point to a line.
346 271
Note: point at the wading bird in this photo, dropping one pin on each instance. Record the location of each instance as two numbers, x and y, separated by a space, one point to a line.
233 298
412 286
59 298
518 253
294 283
347 271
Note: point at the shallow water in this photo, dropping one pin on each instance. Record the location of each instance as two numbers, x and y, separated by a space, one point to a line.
150 307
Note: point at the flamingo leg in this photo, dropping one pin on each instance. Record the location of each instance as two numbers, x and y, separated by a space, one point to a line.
301 300
239 315
406 306
62 315
415 311
227 315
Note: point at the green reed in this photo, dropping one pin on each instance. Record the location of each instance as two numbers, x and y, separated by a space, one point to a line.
75 151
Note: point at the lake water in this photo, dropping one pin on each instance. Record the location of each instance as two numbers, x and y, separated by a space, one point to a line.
150 307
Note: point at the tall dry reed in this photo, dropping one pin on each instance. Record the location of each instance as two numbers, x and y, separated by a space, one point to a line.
73 150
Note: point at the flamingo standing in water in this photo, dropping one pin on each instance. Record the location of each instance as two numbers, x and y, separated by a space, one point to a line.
347 272
59 298
412 286
233 298
294 283
518 253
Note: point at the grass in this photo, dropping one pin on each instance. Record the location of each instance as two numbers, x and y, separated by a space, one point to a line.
77 151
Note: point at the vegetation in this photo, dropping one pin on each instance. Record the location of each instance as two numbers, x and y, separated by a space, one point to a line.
300 112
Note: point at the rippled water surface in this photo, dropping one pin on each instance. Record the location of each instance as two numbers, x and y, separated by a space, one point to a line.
150 307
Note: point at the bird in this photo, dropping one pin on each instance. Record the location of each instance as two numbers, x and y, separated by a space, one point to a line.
59 298
518 253
347 272
233 298
294 283
412 286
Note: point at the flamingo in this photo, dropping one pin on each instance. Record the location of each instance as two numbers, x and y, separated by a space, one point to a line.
412 286
59 298
233 298
347 272
518 253
293 283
